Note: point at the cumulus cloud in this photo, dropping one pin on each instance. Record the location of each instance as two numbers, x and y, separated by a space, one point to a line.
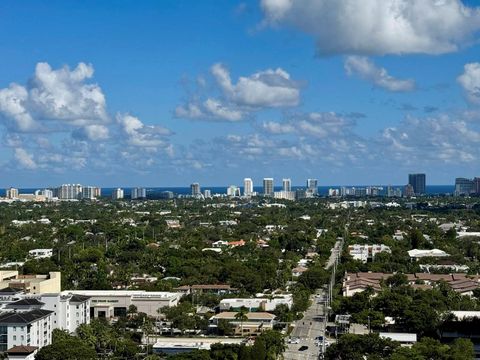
92 133
378 27
430 140
60 95
470 82
24 159
138 134
268 88
315 124
271 88
367 70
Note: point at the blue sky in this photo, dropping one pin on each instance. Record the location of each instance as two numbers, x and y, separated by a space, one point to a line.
166 93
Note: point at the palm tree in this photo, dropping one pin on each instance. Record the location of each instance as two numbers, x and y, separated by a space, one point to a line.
241 316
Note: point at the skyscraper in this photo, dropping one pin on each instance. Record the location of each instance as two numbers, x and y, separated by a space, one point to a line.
287 184
312 186
138 193
117 194
12 193
464 186
247 187
418 182
476 185
70 191
268 186
195 189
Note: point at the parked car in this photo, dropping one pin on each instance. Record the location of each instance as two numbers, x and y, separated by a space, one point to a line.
294 340
303 348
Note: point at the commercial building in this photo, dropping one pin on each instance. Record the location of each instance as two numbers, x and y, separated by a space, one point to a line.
256 322
247 187
256 304
117 194
114 303
268 186
418 182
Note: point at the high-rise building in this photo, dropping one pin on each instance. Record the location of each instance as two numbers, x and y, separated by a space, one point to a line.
138 193
287 184
476 185
233 190
167 195
268 186
117 194
207 194
195 189
312 186
88 192
464 186
12 193
409 191
418 182
247 187
47 193
70 191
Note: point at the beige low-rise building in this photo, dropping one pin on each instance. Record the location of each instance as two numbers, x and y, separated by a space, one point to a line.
33 284
255 323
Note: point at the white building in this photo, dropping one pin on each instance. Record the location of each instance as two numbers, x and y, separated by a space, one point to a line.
70 191
115 303
12 193
256 304
287 185
31 328
364 253
247 187
117 194
417 253
69 310
40 253
285 195
233 191
138 193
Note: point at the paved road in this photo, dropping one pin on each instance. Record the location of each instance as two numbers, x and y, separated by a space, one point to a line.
335 253
307 329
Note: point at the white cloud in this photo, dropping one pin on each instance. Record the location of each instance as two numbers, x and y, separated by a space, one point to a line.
268 88
218 110
92 133
271 88
367 70
24 159
60 95
430 140
138 134
470 81
315 124
378 27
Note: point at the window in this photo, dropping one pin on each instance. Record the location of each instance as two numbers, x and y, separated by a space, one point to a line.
14 337
14 328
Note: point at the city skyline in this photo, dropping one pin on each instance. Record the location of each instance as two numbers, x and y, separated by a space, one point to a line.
166 94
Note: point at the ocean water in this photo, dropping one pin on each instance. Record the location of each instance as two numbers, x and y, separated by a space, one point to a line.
323 190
